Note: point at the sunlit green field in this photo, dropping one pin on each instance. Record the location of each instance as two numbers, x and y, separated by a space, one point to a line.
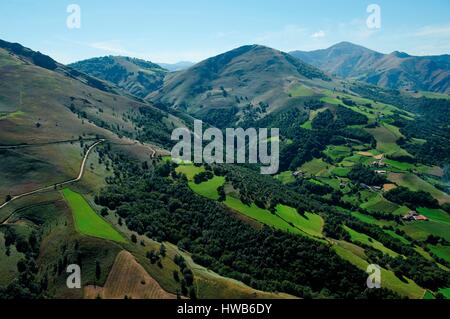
316 167
441 251
415 183
378 203
261 215
208 189
189 170
364 239
388 278
436 215
445 292
310 223
421 231
87 222
285 177
386 138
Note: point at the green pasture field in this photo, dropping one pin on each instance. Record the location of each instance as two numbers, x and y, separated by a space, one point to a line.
307 125
359 159
333 182
396 236
401 166
301 90
401 211
428 295
387 141
445 292
336 152
441 251
370 219
436 214
364 239
261 215
421 230
316 167
285 177
209 188
190 170
341 171
87 222
388 278
310 223
379 204
415 183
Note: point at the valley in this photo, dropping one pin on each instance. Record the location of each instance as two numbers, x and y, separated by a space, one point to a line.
86 179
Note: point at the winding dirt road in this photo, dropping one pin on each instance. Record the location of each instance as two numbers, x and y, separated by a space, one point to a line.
80 175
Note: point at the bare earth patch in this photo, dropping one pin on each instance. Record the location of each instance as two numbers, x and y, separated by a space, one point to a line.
379 156
366 154
128 279
388 187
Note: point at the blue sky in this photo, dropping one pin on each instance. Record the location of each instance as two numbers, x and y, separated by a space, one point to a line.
176 30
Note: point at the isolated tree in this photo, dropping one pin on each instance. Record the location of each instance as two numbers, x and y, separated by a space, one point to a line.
134 238
8 198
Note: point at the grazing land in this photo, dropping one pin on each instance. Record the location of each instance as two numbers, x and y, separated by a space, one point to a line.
87 221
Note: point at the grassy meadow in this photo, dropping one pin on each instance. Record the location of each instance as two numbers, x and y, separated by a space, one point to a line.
87 221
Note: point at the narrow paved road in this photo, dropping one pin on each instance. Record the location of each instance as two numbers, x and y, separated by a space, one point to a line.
80 175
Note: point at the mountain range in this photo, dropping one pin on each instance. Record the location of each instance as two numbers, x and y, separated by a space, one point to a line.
397 70
363 179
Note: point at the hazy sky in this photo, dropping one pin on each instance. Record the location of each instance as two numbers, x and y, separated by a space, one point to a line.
176 30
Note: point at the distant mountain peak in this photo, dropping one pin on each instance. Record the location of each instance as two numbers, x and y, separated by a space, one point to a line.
223 89
397 70
401 55
349 47
135 76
